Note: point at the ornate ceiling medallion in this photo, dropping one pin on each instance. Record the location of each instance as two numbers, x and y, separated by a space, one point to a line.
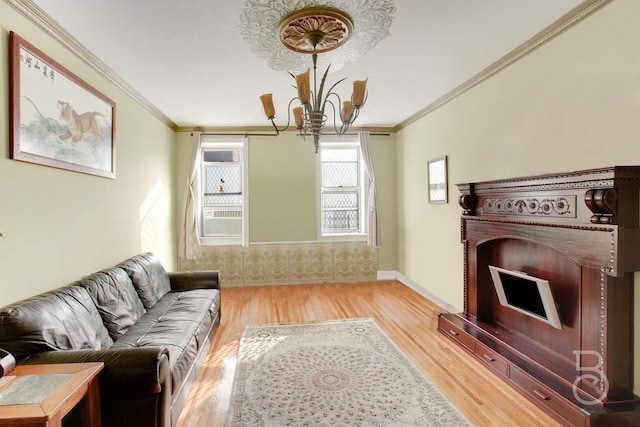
319 29
366 22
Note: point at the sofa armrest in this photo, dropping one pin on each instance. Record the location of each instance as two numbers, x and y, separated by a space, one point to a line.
187 280
134 372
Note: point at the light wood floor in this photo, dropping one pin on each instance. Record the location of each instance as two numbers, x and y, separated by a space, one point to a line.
409 319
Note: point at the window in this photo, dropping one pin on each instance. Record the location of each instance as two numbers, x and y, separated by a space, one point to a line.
341 189
223 192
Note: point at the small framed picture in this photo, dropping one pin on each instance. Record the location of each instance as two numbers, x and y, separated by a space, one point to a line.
437 180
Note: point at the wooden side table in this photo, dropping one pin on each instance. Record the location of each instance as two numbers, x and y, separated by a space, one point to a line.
41 395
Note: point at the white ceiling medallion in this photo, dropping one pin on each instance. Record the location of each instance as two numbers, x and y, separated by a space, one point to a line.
259 26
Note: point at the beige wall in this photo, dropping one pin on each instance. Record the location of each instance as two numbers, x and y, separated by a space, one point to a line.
282 189
572 104
59 225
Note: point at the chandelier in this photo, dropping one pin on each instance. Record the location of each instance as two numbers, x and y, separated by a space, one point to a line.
315 30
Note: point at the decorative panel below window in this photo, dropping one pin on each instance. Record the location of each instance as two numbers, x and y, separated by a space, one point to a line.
305 262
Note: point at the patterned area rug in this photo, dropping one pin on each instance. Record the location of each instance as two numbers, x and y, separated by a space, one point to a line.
338 373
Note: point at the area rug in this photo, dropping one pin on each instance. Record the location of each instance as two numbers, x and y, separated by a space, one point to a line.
337 373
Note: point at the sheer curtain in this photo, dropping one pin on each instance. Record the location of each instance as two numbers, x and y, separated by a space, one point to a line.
189 243
373 234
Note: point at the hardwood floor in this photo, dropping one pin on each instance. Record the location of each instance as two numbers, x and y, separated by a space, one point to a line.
409 319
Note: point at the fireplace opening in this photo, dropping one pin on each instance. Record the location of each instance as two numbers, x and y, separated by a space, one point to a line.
526 294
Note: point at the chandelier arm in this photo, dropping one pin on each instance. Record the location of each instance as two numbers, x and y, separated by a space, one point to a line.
288 118
335 84
346 125
289 113
333 107
275 127
327 100
354 115
331 92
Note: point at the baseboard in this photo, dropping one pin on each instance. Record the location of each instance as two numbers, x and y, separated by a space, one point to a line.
394 275
387 275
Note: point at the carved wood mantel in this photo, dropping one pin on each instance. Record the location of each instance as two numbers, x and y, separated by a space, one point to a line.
580 231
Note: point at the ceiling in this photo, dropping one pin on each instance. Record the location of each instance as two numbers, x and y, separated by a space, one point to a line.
189 60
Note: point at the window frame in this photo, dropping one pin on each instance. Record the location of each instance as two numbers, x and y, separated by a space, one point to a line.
217 143
363 188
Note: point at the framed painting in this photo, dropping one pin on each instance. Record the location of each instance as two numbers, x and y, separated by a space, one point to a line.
437 180
56 118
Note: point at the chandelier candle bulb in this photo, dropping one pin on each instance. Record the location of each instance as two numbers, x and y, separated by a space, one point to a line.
304 87
359 90
297 115
267 105
347 110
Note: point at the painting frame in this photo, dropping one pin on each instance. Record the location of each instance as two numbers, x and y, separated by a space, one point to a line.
56 118
437 180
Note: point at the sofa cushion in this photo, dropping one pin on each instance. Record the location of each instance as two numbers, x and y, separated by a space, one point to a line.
180 321
148 276
63 319
115 298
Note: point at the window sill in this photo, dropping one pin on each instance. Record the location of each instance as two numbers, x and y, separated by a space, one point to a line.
352 237
221 241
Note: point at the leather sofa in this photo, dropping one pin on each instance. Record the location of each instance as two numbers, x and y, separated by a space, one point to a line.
152 330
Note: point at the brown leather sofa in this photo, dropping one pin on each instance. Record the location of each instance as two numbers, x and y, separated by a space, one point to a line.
152 330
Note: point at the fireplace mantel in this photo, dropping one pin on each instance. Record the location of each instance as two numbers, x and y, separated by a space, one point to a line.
580 231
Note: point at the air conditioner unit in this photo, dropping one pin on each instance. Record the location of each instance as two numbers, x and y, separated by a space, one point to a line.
222 156
222 221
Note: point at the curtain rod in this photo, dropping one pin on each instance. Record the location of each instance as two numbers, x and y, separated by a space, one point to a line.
275 134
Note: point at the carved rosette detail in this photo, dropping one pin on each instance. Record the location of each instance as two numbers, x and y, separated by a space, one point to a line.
555 206
334 28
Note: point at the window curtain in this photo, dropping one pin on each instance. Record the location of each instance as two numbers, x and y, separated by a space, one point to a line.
189 244
373 233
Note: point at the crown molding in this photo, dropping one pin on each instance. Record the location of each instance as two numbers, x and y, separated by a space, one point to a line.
43 21
571 18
